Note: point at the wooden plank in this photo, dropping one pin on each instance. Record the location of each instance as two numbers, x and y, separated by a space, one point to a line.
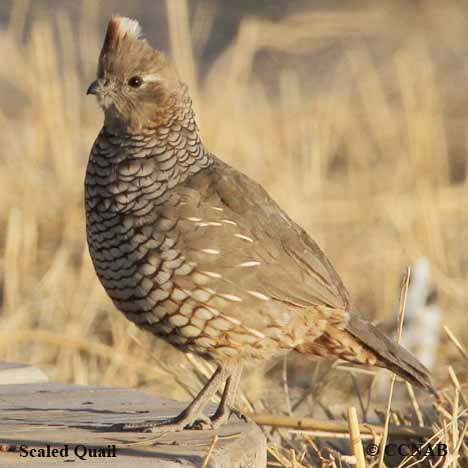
11 373
74 417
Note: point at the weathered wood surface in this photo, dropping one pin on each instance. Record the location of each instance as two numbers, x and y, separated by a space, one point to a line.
41 414
20 374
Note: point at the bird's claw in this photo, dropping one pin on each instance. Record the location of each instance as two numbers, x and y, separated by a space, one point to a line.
238 414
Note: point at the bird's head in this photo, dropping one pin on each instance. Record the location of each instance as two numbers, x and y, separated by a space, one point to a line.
136 85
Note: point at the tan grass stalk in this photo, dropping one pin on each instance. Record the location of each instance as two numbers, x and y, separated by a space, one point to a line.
456 384
338 427
355 437
181 44
210 451
434 439
463 434
456 342
294 462
278 457
401 317
328 435
455 434
18 15
415 404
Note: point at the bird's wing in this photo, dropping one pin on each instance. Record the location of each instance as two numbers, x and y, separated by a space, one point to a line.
234 231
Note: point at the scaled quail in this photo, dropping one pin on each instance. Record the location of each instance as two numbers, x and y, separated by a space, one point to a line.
197 253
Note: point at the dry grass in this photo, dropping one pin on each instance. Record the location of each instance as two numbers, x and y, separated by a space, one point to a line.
359 132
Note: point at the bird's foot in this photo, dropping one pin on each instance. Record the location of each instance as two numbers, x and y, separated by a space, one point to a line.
222 417
202 424
165 425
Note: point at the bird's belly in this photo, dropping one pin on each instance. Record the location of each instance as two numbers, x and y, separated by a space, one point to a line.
142 271
191 319
193 324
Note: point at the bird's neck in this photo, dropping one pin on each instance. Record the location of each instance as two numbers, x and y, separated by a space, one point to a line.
173 148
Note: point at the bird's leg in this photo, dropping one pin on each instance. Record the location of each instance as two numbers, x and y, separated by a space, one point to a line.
189 415
228 398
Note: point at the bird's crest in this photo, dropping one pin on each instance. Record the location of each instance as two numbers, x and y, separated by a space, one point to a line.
119 29
123 45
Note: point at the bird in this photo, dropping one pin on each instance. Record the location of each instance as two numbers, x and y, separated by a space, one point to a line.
197 253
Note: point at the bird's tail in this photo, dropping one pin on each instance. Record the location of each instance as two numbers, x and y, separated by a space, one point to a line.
390 354
363 343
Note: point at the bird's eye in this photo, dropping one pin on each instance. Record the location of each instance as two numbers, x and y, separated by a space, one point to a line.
135 81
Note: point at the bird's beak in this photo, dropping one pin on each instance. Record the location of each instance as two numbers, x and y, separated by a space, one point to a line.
93 87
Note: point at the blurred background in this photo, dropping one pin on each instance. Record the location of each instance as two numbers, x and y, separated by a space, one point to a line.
353 115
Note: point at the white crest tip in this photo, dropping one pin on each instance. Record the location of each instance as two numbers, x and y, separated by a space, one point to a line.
128 26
